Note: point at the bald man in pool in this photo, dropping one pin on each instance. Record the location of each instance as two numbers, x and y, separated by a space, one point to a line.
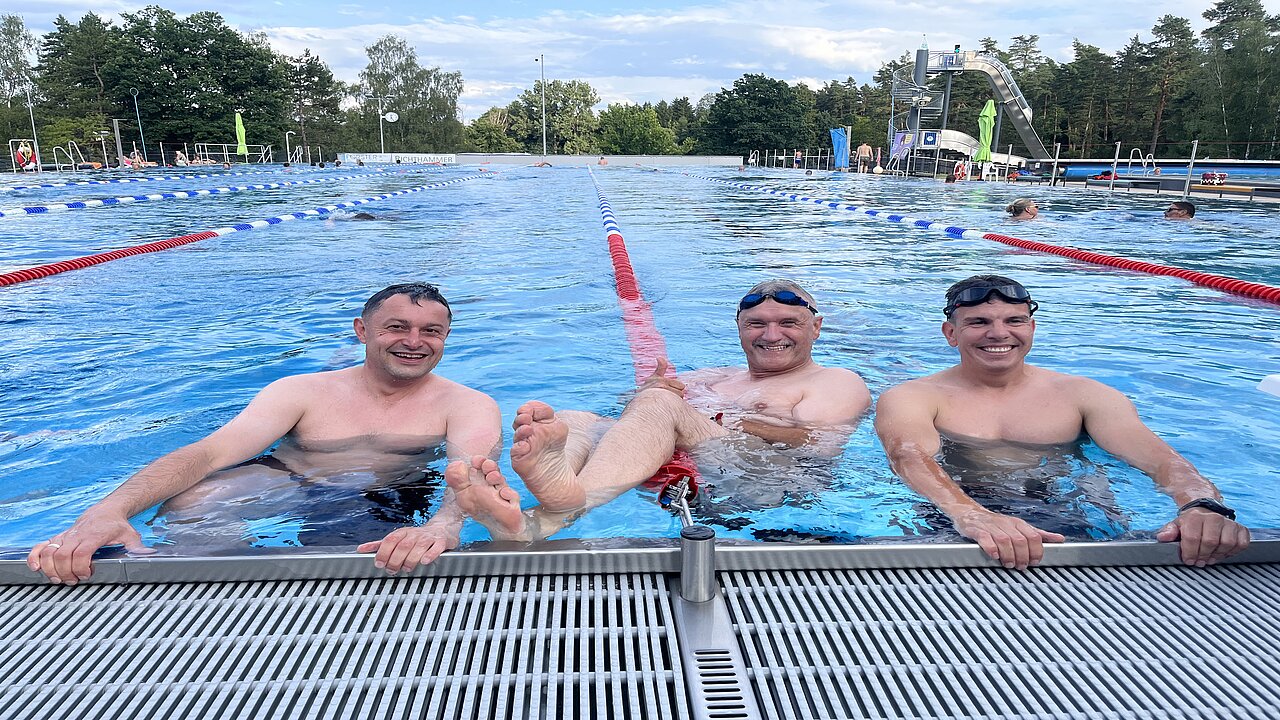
573 461
994 405
389 413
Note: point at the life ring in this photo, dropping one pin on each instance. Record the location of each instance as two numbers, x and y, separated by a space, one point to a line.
960 171
24 161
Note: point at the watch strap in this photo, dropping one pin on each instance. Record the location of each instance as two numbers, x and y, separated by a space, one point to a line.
1211 505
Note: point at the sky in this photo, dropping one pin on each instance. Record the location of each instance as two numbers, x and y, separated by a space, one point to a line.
658 49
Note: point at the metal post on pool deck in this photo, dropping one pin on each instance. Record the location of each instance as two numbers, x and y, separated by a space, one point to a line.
1191 164
138 116
542 68
697 563
1115 163
35 141
288 157
1053 179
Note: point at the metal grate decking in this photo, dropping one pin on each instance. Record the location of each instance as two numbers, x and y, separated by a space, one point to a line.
574 631
595 646
1136 642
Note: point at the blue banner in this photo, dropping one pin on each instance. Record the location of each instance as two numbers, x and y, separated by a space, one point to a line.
840 148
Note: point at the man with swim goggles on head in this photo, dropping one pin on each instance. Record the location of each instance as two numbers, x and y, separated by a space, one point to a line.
994 397
390 411
572 461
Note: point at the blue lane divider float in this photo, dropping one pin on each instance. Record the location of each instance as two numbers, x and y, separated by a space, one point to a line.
1247 288
128 199
943 228
41 271
116 181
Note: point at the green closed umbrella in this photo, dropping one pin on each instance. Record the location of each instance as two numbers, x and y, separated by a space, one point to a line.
986 128
242 149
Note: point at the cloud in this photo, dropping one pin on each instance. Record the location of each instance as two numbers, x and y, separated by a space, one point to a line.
684 50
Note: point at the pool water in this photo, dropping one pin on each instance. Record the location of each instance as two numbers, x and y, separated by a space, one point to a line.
107 368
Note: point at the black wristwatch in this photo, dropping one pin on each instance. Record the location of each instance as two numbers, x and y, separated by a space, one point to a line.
1211 505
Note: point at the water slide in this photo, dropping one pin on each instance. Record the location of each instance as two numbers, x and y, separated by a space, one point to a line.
1008 96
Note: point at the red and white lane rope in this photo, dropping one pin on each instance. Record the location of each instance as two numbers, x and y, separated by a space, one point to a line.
41 271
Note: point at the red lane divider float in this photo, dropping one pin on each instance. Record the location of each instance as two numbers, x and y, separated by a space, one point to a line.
1217 282
1258 291
41 271
647 344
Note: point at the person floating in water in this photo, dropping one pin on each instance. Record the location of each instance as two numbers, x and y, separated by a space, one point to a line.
1180 210
994 398
572 461
388 411
1023 209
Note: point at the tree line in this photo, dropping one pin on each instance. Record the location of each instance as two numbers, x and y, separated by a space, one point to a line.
191 74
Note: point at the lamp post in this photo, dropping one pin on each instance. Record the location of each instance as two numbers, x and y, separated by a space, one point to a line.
35 141
382 143
288 156
138 116
542 66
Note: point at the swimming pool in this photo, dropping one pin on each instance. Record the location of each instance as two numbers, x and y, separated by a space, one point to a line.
108 367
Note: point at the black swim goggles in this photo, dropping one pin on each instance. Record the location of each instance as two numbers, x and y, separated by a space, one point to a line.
786 297
979 294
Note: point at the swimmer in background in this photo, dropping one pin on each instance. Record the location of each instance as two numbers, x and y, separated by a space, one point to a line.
380 417
602 161
1180 210
573 461
1003 408
1023 209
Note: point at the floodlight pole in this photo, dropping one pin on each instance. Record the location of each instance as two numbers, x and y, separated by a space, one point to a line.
382 143
542 66
138 116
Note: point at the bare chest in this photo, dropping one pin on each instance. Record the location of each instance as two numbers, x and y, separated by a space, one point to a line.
1025 417
344 416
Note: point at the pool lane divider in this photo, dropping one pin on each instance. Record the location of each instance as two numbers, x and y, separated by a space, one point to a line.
1254 290
177 194
647 343
42 271
116 181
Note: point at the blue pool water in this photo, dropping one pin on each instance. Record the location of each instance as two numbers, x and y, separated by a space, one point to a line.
106 368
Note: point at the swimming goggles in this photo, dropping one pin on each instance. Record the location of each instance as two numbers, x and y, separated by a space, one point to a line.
786 297
978 294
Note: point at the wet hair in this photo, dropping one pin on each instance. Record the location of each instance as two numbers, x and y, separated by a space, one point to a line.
769 287
1184 206
1019 206
417 291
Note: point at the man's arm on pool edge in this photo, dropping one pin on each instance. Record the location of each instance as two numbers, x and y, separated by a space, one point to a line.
66 557
1203 536
474 427
904 422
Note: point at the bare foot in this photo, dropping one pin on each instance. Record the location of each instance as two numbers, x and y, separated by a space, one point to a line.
484 494
538 458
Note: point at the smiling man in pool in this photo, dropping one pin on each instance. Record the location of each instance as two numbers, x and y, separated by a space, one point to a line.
993 402
573 461
390 411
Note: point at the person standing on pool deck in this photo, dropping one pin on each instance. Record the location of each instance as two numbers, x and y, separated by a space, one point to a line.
863 155
994 396
393 405
573 461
